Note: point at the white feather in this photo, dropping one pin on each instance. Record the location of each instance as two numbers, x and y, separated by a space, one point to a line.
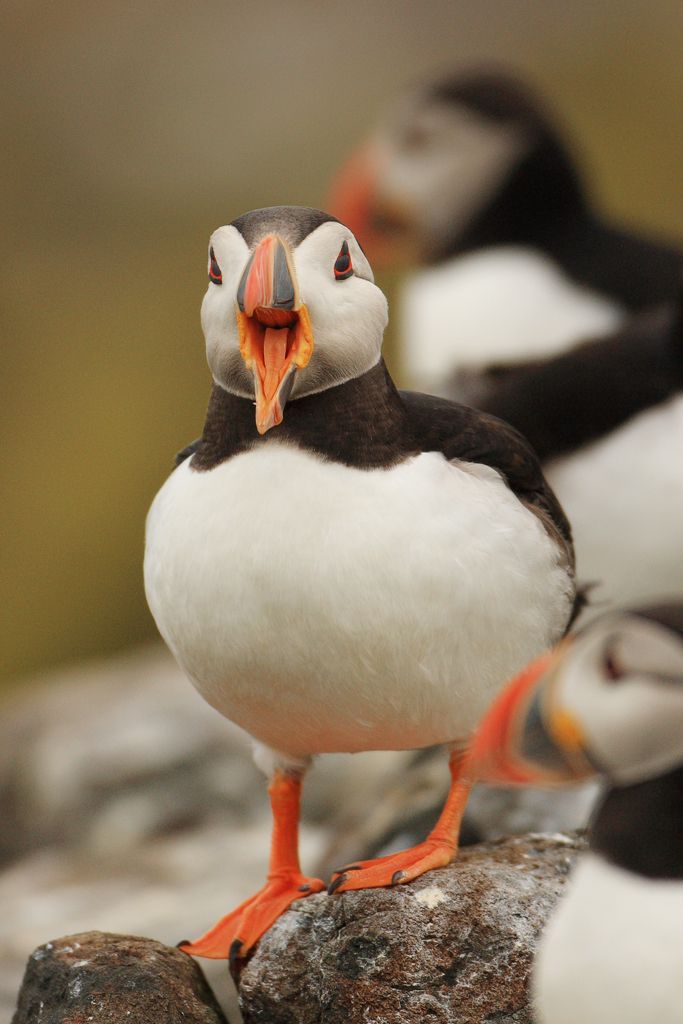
505 304
613 951
624 498
325 608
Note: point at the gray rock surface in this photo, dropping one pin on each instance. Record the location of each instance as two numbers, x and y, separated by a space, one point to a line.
114 979
453 947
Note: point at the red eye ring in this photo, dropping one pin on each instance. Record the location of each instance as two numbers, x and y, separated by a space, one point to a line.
215 274
343 267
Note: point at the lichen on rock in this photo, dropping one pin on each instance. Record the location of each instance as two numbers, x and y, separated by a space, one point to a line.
452 947
109 979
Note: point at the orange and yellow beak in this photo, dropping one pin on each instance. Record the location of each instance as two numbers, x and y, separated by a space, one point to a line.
275 332
382 225
526 738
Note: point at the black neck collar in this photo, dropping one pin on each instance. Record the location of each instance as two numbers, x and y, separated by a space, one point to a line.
361 423
640 827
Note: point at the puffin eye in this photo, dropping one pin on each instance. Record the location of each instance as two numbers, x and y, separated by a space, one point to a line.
215 274
343 267
611 666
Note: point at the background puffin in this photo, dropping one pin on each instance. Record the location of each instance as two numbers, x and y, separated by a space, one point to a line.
472 166
524 279
608 701
330 562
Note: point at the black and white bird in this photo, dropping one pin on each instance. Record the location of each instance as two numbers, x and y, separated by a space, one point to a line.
469 177
336 565
608 702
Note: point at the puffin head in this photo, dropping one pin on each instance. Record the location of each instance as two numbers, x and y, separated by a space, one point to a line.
459 162
291 308
608 701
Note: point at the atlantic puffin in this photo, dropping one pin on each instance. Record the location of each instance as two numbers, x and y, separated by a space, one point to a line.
531 306
337 565
606 702
468 176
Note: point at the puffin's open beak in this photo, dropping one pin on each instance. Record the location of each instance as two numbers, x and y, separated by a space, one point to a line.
526 738
275 331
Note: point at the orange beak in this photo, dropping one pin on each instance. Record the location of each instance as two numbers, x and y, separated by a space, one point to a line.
275 332
524 739
381 225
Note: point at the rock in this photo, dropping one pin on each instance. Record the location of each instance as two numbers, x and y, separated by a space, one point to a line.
129 805
112 979
106 755
453 947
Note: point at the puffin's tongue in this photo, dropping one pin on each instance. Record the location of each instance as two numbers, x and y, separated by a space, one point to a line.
274 355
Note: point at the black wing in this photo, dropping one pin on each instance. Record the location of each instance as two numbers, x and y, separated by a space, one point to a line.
563 403
189 450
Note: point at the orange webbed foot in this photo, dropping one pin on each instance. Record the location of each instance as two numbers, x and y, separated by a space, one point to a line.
234 935
437 850
394 869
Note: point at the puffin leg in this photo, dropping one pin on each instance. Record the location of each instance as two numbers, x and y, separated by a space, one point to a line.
437 850
232 936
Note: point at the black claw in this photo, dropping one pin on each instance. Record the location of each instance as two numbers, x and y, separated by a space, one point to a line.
335 884
397 876
304 888
234 953
348 867
183 942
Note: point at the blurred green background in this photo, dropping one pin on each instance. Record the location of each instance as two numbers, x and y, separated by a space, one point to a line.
133 130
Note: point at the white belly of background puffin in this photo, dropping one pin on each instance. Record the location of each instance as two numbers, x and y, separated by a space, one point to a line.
625 492
504 304
400 599
640 921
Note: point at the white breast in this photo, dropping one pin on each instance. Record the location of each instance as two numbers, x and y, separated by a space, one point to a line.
624 498
504 304
613 951
324 608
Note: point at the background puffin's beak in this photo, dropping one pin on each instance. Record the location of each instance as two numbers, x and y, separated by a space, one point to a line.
382 225
525 738
274 328
352 191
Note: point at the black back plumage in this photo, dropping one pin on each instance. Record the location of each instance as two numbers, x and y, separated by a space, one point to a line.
562 403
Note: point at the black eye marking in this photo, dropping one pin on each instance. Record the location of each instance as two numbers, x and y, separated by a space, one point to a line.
343 267
215 274
611 666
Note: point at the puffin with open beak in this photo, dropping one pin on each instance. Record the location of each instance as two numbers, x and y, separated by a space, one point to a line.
339 566
607 702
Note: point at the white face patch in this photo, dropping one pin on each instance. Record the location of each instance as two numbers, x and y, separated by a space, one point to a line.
219 322
348 316
442 163
633 723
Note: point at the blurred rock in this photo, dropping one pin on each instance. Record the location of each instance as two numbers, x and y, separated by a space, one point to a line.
106 755
114 979
127 804
453 947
